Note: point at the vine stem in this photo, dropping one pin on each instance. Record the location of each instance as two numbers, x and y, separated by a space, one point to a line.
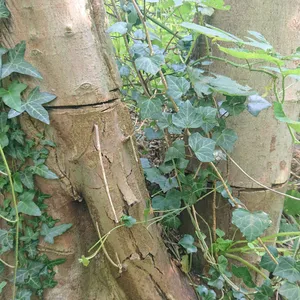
98 147
17 220
250 266
257 182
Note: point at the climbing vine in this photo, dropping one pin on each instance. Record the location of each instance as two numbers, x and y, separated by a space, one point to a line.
180 103
23 209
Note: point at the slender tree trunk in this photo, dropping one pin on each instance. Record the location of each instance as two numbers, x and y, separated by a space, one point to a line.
67 43
264 146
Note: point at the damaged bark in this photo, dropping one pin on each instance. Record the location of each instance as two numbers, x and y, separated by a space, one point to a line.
67 43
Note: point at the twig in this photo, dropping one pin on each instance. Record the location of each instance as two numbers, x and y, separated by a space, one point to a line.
7 264
267 250
214 215
98 147
133 148
257 182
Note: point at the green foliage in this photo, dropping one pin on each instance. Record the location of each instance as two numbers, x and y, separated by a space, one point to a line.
23 208
180 102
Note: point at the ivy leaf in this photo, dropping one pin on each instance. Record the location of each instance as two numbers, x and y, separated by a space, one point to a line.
18 187
6 240
2 285
243 272
27 206
26 177
165 121
212 32
150 108
187 116
267 262
119 27
128 221
205 293
177 86
252 225
227 86
171 201
187 243
50 233
30 235
23 294
288 268
281 116
12 96
264 292
175 151
208 116
31 249
256 104
217 4
290 291
291 206
150 64
43 171
34 282
4 12
16 63
171 222
225 139
234 105
202 147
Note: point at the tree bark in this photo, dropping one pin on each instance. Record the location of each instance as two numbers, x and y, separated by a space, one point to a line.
264 146
67 43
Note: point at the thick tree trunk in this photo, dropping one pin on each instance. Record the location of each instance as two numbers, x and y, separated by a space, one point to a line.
67 43
264 146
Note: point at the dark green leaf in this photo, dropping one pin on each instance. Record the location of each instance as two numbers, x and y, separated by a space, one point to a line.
288 268
171 222
187 116
17 183
150 108
225 139
23 294
290 291
243 272
26 177
208 116
205 293
3 283
234 105
177 86
50 233
16 63
4 12
175 151
119 27
150 64
171 201
128 221
267 262
187 242
202 147
12 96
252 225
43 171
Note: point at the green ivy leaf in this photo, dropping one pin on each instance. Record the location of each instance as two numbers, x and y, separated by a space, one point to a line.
128 221
290 291
30 235
177 86
12 96
288 268
26 177
227 86
243 272
252 225
27 206
187 116
43 171
281 116
234 105
31 249
34 282
4 12
175 151
118 27
291 206
217 4
50 233
23 294
171 222
267 262
150 64
2 285
202 147
18 187
208 116
171 201
265 291
187 243
16 63
205 293
225 139
150 108
165 121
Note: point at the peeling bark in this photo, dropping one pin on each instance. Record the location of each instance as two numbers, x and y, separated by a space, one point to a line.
66 41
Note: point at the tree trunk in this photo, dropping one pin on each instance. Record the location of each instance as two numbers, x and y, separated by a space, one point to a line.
67 43
264 146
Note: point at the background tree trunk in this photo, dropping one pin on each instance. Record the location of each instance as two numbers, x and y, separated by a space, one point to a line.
264 146
67 43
